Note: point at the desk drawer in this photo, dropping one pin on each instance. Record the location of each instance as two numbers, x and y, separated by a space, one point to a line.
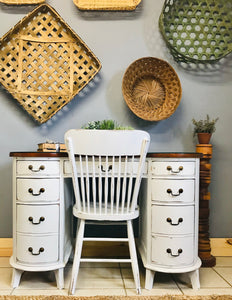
103 167
173 191
174 168
37 218
37 190
172 251
37 249
172 219
37 168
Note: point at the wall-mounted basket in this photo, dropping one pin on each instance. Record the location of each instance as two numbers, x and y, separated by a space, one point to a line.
106 4
197 31
22 2
44 63
151 89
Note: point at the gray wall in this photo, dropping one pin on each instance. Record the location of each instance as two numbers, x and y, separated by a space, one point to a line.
117 39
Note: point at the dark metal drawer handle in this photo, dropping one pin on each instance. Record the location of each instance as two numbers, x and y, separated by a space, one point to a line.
41 219
41 168
169 168
109 168
180 191
169 220
175 255
30 190
30 249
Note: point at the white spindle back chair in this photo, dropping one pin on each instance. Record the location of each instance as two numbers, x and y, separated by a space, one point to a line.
107 168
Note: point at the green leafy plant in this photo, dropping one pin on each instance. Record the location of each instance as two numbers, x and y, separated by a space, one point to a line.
105 125
205 125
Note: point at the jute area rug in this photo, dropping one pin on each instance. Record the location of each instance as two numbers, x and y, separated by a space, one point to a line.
167 297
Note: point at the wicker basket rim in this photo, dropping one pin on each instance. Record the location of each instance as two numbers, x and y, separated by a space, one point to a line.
173 71
149 58
107 5
190 59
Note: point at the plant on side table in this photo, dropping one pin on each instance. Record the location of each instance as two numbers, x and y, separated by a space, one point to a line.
204 129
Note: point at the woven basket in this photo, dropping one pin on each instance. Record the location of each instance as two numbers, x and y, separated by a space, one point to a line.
151 89
106 4
21 2
44 63
197 31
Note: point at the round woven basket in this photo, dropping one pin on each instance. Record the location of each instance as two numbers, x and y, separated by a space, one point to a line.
151 89
197 31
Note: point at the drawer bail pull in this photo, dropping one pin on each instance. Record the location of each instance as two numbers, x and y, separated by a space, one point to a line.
104 170
30 190
169 251
169 168
41 168
30 249
169 220
41 219
180 191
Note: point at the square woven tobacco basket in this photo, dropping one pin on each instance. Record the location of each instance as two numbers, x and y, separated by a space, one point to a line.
44 63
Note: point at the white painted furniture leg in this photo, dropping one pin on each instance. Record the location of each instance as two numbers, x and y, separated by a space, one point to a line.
133 255
194 278
59 274
77 257
16 276
150 274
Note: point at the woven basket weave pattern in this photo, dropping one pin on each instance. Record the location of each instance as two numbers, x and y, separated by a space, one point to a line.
106 4
44 63
151 89
21 2
197 31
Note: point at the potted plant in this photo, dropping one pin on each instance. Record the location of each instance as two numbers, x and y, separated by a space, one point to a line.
105 125
204 129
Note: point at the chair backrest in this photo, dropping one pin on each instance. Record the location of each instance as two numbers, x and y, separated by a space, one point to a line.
107 167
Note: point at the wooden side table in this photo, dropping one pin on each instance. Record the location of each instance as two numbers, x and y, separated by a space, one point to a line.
204 249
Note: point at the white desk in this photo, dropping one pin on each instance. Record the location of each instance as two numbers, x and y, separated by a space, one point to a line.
42 214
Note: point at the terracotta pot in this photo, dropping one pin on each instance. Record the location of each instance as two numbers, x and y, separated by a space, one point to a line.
204 137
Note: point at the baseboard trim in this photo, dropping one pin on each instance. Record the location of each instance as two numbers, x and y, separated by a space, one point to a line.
6 246
219 247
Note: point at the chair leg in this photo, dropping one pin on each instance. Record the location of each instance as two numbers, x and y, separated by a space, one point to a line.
133 255
77 257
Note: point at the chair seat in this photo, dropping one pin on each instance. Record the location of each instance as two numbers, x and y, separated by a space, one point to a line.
106 214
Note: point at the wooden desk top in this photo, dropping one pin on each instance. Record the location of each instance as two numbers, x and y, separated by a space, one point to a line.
150 154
